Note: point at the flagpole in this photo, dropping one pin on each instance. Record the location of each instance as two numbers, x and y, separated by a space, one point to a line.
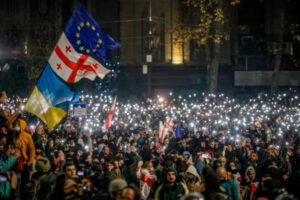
150 52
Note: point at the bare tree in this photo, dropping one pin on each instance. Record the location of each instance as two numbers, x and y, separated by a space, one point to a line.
210 28
275 11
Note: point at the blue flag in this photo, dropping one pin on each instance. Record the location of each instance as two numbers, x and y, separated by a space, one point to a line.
86 36
178 131
50 98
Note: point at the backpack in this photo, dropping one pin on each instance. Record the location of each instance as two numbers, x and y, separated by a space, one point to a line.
36 188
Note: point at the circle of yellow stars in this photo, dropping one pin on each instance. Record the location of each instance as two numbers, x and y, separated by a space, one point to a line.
78 41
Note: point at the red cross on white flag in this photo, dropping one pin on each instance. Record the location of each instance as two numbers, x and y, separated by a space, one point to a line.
169 123
110 115
72 66
258 123
162 132
278 120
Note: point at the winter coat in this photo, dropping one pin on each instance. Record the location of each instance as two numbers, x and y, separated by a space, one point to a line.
25 143
5 186
230 187
147 180
191 169
167 192
199 166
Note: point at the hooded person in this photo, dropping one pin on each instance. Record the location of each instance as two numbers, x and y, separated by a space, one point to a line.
7 160
227 183
250 184
40 187
233 172
192 179
24 141
38 153
186 155
147 179
171 189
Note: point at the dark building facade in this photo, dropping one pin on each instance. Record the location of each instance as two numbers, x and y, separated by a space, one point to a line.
143 28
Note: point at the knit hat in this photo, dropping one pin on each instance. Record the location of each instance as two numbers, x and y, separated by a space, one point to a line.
171 169
192 195
42 165
137 158
117 185
250 170
248 140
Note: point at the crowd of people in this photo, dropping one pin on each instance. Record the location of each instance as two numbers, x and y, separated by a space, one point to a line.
229 148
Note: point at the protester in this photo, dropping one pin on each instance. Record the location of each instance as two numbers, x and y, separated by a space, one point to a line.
171 189
116 187
8 181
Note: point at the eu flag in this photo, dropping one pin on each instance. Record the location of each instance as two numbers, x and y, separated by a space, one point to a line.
86 36
178 131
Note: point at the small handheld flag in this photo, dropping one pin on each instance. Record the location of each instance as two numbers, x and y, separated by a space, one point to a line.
169 123
110 115
162 132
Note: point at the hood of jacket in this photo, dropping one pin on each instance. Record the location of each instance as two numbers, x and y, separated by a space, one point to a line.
191 169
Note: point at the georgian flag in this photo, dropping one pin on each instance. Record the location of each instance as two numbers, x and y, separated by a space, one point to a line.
110 115
162 132
72 66
258 123
147 179
278 120
82 41
170 123
190 161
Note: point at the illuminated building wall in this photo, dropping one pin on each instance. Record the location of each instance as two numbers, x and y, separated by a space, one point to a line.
134 17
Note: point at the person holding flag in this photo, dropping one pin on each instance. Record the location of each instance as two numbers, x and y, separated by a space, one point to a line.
147 179
170 123
178 131
110 115
162 132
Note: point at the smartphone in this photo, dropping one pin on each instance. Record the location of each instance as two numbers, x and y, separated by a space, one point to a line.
84 187
80 173
3 179
205 155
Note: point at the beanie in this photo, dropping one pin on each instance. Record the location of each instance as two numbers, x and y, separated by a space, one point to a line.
171 169
42 165
117 185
